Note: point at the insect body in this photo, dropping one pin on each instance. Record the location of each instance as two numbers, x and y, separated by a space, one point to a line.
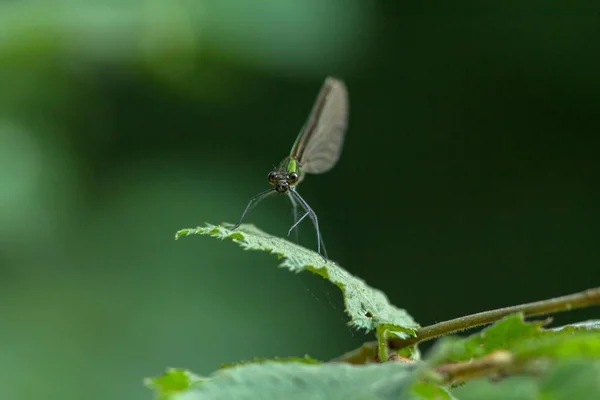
316 150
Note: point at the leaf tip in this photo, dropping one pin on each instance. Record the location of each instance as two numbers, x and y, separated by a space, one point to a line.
182 232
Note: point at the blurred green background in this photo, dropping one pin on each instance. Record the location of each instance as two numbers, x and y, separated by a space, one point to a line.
469 178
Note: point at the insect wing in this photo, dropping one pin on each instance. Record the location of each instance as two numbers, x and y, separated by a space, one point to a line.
319 144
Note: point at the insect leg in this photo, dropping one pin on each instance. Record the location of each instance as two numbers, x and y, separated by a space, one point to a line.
314 219
252 203
295 216
298 222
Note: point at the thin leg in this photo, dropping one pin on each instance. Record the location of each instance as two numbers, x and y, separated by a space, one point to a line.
315 221
295 215
252 203
298 222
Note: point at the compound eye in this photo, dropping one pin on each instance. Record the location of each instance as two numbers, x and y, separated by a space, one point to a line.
293 178
272 177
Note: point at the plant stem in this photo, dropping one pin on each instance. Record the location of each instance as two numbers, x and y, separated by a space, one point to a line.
497 363
368 351
586 298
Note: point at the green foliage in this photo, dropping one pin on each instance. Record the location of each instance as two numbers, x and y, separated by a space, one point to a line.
531 362
368 308
571 379
426 390
565 380
524 339
260 360
567 360
291 381
172 382
585 325
571 343
502 335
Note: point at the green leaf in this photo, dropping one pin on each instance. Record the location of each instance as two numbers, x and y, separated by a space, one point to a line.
569 380
593 324
172 382
523 339
513 388
502 335
531 347
565 380
368 308
258 360
429 391
294 381
561 344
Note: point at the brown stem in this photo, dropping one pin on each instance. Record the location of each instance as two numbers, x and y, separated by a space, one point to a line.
586 298
496 363
367 351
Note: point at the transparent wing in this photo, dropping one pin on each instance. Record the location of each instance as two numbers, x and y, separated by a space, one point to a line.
319 144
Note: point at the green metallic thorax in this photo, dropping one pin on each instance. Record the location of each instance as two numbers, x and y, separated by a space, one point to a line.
289 165
292 165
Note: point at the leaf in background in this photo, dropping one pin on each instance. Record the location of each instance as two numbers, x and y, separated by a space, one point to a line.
566 380
570 380
258 360
593 324
172 382
295 381
557 345
502 335
429 391
289 34
523 339
368 308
